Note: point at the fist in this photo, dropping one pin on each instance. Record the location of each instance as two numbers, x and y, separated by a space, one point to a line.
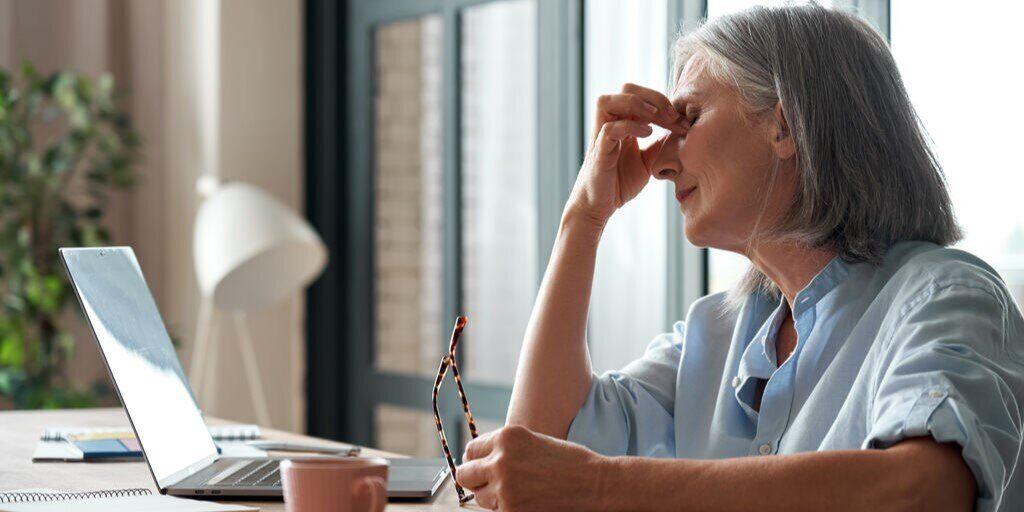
514 468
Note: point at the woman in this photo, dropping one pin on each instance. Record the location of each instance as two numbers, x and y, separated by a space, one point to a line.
859 365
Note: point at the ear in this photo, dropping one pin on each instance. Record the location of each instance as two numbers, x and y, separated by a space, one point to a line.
783 144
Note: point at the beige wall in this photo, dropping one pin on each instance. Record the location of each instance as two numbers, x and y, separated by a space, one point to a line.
216 86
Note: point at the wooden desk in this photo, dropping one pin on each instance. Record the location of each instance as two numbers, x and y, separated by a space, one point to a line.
19 431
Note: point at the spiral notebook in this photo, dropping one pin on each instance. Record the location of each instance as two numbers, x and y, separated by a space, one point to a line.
114 443
114 500
218 432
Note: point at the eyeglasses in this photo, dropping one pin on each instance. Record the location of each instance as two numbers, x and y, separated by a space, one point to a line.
449 361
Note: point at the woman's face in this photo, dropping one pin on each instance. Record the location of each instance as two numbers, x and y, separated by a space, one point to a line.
722 168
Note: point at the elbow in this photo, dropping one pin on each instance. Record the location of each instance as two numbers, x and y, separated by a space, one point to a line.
541 422
547 413
927 476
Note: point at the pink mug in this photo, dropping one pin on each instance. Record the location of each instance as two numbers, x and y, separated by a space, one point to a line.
328 484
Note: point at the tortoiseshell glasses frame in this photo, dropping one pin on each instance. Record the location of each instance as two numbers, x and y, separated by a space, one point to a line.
449 361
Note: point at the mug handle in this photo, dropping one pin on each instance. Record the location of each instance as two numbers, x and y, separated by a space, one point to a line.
375 490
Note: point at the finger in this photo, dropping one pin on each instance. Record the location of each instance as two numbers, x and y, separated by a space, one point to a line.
667 111
486 497
627 106
614 132
613 107
679 105
479 447
651 96
473 474
651 154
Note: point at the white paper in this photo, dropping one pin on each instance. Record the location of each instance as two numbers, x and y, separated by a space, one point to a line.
151 503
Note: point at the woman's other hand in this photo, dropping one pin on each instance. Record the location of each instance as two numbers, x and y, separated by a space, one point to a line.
514 468
615 169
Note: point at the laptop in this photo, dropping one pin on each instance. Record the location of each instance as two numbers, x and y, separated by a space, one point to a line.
149 380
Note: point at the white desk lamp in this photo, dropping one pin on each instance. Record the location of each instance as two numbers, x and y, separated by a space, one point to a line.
250 252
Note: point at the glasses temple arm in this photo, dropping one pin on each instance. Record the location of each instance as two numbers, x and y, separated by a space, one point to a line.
465 400
441 372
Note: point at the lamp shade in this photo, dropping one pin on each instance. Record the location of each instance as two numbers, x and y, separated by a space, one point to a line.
252 251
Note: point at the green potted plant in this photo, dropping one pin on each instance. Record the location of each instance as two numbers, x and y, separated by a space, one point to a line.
65 144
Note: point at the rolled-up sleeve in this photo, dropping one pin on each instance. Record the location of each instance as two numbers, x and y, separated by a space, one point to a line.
630 412
954 372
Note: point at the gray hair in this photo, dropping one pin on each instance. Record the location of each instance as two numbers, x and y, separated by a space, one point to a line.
867 176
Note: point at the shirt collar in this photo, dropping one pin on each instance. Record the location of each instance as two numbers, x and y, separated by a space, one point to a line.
826 280
759 360
823 282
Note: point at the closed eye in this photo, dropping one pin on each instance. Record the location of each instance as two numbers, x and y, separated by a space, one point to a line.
692 115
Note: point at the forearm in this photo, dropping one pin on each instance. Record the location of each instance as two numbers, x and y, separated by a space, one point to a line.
554 372
854 480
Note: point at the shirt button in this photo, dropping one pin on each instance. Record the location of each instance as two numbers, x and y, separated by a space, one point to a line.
736 382
764 449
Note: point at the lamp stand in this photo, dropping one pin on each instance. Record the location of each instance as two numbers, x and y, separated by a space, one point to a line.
200 348
211 365
203 368
252 371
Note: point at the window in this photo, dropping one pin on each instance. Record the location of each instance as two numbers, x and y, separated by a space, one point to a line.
464 130
964 90
627 42
453 187
499 184
408 200
463 135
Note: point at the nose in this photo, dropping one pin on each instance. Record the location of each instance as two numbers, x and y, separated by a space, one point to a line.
666 165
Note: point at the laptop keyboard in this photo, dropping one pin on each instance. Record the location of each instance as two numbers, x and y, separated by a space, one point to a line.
257 473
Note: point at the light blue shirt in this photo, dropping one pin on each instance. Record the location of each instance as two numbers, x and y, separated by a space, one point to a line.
929 342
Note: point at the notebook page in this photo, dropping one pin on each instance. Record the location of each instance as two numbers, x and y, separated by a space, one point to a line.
152 503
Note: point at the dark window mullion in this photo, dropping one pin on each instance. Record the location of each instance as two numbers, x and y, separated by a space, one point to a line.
360 209
370 13
452 164
413 392
325 108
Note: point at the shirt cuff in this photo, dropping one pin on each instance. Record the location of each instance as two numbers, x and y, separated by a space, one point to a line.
619 417
936 413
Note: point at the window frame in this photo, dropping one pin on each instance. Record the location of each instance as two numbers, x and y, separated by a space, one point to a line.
343 384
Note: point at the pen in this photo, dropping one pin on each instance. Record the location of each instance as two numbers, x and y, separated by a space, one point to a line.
284 446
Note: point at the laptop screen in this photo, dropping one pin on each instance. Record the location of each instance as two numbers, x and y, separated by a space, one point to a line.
141 359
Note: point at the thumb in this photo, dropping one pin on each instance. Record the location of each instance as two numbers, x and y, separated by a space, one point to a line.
653 152
661 153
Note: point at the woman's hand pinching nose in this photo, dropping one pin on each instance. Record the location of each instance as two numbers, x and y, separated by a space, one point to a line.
615 170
